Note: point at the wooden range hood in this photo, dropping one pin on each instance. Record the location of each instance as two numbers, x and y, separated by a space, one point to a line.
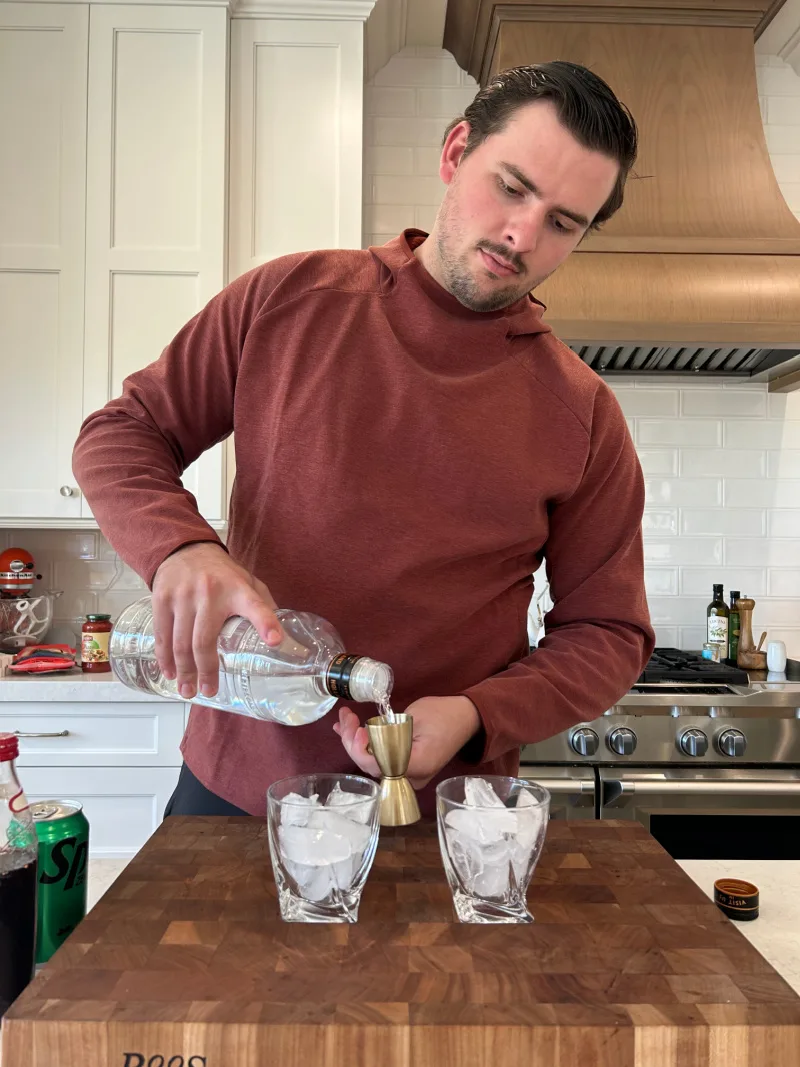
700 269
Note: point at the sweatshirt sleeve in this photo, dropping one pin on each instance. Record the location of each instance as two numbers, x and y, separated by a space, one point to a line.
598 635
130 455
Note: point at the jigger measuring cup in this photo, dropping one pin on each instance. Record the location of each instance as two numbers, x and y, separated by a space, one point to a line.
390 744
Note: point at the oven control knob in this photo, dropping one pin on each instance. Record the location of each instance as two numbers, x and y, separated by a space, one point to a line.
694 743
585 741
732 743
622 741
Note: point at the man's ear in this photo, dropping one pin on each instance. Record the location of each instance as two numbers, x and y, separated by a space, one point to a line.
453 151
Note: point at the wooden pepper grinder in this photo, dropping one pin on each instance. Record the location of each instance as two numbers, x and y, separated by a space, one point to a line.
749 657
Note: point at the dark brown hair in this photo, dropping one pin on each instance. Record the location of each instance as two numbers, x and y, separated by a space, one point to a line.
585 104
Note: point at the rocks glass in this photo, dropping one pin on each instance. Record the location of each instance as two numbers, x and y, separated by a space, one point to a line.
323 832
491 833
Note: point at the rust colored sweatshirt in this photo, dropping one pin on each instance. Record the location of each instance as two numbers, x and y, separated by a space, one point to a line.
402 465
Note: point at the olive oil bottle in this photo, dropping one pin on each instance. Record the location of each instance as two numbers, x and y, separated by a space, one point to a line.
717 618
734 626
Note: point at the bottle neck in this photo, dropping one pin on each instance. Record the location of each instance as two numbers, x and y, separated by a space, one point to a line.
358 678
9 782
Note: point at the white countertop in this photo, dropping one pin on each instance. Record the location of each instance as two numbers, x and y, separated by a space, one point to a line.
69 686
776 931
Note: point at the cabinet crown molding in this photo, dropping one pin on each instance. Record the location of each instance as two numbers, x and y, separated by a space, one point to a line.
330 10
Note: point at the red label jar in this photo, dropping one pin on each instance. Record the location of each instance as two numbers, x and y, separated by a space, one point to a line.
95 635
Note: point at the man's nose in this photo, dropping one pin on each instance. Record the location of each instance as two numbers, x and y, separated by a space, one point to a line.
524 230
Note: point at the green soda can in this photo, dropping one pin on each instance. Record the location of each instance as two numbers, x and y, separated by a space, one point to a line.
63 834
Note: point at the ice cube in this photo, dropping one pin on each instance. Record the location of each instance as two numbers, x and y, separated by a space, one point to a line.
318 860
332 821
295 809
355 806
478 793
479 843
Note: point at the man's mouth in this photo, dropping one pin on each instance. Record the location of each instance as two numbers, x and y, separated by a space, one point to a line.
501 267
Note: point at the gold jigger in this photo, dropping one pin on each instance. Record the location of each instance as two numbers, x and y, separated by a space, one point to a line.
390 744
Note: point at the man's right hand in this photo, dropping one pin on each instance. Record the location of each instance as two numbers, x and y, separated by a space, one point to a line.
194 591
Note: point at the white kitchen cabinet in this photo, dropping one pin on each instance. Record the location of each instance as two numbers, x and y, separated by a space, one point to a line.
124 806
43 71
120 759
118 221
155 220
296 139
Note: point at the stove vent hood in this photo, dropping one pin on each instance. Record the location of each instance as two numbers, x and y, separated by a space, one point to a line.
699 273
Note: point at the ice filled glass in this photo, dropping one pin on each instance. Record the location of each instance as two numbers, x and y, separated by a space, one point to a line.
491 833
323 832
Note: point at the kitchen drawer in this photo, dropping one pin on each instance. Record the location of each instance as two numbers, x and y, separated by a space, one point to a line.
98 735
124 805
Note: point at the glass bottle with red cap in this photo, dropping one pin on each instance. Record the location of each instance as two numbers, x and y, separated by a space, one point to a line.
18 858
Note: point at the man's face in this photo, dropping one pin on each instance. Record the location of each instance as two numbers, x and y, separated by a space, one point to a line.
514 208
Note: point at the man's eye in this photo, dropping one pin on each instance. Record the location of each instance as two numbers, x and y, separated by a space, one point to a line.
509 190
560 227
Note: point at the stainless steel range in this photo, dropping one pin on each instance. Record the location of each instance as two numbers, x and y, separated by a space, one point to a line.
705 755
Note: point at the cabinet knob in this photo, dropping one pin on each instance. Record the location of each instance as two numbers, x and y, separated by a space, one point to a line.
68 490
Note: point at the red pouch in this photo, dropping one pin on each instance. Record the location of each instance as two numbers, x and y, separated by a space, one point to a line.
36 659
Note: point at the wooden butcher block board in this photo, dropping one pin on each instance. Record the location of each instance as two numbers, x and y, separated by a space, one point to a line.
185 963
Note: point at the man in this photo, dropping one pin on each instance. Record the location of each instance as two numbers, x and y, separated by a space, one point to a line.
410 442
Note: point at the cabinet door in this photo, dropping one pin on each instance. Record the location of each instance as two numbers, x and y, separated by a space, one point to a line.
43 54
124 805
295 152
155 226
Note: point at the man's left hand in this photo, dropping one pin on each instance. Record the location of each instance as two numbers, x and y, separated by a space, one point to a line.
442 726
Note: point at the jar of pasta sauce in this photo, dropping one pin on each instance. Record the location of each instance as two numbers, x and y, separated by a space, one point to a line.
95 635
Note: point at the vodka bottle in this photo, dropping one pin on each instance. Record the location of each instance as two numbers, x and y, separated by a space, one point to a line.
293 683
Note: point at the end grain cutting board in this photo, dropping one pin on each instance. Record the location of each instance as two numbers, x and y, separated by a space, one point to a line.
185 963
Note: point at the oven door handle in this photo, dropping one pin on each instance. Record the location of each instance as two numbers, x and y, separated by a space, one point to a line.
560 785
708 787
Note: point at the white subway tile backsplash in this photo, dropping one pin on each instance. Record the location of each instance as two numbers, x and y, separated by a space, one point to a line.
784 405
723 462
658 460
683 491
661 581
699 581
647 401
784 582
780 612
767 552
436 71
390 101
783 139
729 402
723 522
751 493
660 521
426 160
692 637
679 432
678 610
391 189
786 167
387 160
785 523
397 131
424 217
445 102
765 433
682 550
777 81
784 464
388 218
92 575
783 111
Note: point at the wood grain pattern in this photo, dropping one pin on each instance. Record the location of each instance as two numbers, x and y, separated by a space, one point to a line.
471 25
628 964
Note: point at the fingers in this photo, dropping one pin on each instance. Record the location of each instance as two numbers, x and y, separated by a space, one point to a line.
207 625
183 650
254 607
163 625
355 740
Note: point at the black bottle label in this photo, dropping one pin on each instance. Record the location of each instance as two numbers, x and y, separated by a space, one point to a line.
338 679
